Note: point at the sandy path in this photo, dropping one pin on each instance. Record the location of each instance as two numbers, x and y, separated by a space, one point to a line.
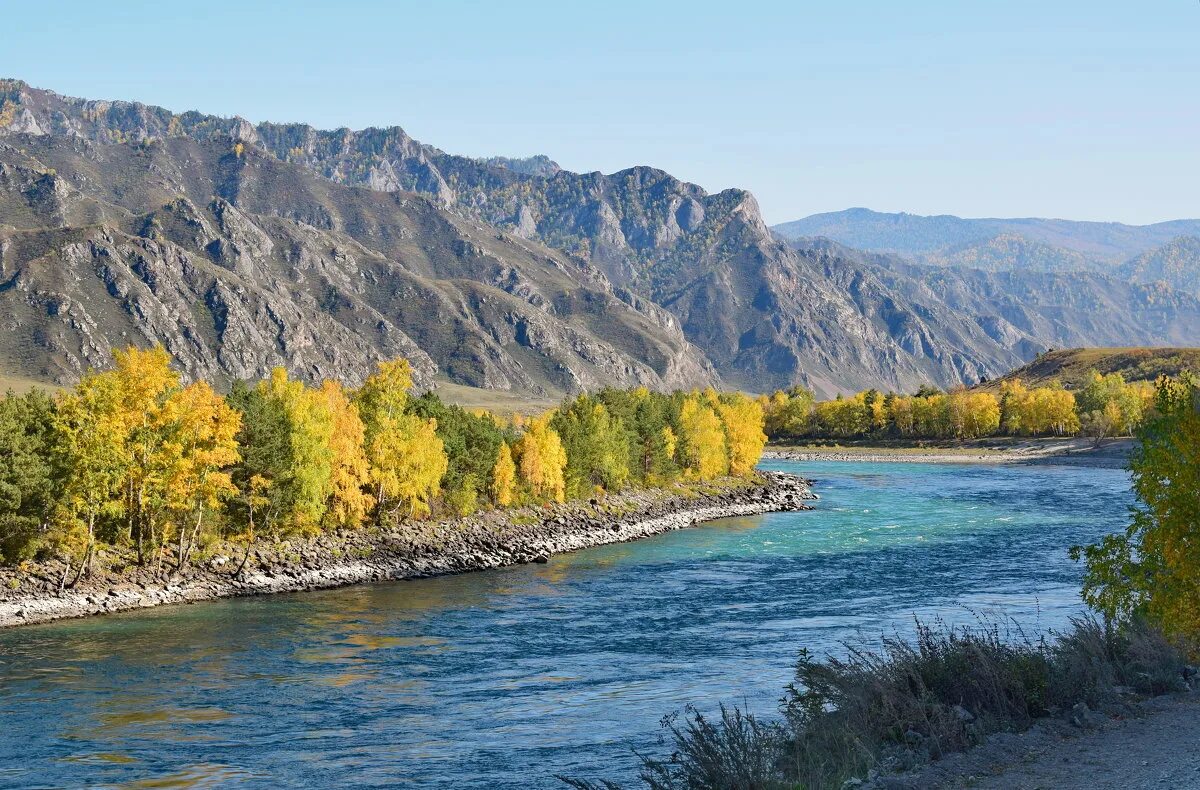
1156 746
1161 749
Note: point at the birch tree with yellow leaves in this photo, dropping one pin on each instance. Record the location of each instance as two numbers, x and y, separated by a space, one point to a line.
702 439
407 459
542 461
742 419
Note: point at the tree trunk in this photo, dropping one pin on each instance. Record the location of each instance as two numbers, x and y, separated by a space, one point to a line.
249 543
90 553
185 553
140 550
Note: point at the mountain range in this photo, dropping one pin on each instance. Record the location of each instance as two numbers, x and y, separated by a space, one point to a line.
241 246
1167 252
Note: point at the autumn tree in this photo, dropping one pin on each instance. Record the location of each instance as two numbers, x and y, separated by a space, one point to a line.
1036 412
541 460
1153 568
287 462
202 446
263 475
504 478
787 414
90 444
742 419
350 473
971 415
145 383
308 481
900 414
407 458
842 418
702 447
407 464
1108 406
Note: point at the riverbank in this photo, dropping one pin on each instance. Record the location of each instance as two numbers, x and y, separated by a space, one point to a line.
1074 451
488 539
1146 743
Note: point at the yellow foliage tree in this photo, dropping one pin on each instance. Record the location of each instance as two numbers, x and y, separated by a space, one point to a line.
349 503
504 477
408 461
1033 412
1152 568
309 478
702 437
742 419
973 414
202 446
146 382
542 460
407 458
90 432
385 393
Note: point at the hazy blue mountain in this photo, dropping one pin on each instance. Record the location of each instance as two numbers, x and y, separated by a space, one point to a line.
1176 263
935 239
1010 251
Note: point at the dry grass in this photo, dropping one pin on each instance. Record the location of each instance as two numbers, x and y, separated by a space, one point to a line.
1071 366
496 401
21 385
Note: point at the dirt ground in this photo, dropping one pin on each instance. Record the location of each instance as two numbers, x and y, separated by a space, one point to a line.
1155 745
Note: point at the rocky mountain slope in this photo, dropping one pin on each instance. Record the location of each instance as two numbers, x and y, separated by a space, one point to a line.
238 262
506 273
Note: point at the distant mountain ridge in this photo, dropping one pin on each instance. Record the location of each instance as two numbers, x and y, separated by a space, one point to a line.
917 235
505 273
1176 263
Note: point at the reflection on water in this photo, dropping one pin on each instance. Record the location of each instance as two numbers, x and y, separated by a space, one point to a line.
506 677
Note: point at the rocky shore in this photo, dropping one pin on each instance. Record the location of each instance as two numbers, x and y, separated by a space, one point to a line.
411 550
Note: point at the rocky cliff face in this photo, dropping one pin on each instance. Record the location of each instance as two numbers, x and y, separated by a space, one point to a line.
530 276
237 262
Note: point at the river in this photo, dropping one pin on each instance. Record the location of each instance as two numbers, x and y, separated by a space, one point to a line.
504 678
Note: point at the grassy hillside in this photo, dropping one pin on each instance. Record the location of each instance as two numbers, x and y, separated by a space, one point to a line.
497 401
468 397
1070 366
20 385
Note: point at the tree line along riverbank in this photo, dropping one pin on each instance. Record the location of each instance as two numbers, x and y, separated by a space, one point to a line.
489 538
1103 406
134 470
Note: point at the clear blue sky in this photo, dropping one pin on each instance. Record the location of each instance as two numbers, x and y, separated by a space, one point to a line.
1084 110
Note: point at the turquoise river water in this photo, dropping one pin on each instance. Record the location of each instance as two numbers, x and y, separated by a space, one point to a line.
508 677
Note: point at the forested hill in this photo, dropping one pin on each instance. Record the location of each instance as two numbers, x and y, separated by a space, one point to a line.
1070 367
240 246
